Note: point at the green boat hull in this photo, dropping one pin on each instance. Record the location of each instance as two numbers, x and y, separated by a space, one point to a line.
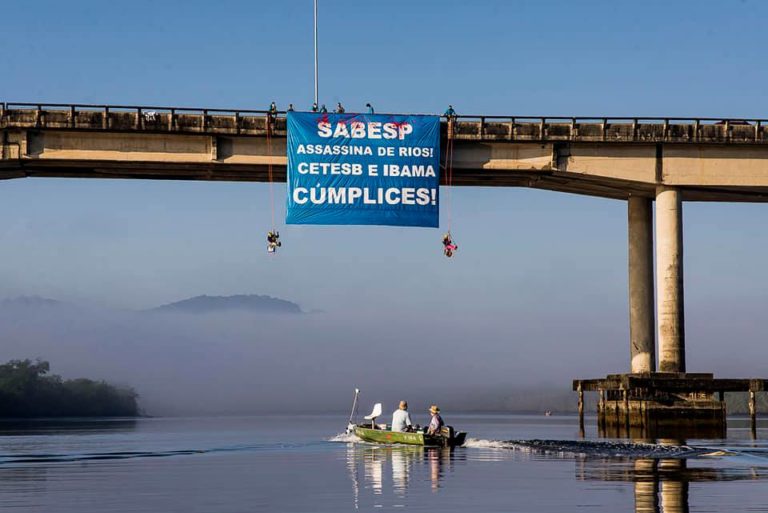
383 436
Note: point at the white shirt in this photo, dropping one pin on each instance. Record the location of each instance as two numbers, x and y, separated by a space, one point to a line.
401 419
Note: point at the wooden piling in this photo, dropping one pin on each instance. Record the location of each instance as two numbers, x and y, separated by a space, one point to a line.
580 390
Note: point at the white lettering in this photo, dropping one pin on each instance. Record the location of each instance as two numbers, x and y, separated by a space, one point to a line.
408 196
324 129
297 195
392 196
354 194
422 196
390 131
341 130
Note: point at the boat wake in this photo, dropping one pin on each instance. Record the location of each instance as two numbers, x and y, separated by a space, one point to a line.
571 448
31 458
345 438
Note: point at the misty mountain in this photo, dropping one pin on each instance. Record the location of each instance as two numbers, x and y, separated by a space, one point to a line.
242 303
30 302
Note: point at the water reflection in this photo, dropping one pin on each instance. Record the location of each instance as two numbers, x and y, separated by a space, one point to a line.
31 427
662 485
390 469
679 430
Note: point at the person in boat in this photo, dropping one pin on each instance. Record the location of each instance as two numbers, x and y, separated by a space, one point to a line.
314 107
370 108
449 113
401 419
323 110
340 108
436 423
273 241
448 246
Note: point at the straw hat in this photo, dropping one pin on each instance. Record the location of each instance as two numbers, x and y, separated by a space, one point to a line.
434 409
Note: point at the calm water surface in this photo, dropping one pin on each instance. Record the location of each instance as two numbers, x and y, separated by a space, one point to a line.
304 464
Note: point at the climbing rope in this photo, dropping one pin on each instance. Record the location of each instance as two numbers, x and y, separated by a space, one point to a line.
449 169
448 246
273 236
270 121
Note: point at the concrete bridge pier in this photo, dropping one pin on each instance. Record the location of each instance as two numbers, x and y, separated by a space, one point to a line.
642 325
647 401
669 279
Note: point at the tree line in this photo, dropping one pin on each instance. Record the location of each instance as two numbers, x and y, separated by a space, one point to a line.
27 390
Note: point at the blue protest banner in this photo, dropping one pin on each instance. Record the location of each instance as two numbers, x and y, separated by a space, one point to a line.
363 169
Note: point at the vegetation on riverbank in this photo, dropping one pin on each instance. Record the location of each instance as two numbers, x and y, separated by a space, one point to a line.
27 390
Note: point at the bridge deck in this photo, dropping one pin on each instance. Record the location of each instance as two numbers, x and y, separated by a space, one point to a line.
708 159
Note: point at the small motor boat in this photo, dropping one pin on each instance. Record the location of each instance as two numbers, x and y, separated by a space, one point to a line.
370 431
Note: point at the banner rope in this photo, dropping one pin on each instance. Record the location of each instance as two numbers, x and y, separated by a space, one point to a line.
449 171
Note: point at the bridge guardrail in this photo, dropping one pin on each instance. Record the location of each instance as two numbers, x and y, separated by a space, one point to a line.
484 127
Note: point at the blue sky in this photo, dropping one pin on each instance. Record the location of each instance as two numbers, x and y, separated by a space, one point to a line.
543 256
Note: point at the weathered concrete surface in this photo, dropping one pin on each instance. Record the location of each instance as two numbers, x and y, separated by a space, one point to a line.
118 146
669 279
634 163
642 326
651 404
715 165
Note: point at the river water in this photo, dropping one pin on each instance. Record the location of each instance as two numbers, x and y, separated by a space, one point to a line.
304 464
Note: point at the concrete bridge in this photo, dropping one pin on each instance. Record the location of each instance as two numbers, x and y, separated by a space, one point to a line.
639 160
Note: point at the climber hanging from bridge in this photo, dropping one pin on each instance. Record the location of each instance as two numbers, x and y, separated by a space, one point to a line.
273 236
448 246
273 241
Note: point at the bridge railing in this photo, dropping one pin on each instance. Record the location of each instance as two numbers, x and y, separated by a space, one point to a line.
138 117
472 127
617 129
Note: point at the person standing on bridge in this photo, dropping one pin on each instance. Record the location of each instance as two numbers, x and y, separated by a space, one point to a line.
340 108
370 108
450 116
271 116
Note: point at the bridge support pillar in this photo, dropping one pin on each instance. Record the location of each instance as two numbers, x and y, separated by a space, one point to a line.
642 326
669 279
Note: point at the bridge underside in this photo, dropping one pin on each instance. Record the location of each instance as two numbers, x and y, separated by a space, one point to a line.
479 177
702 172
